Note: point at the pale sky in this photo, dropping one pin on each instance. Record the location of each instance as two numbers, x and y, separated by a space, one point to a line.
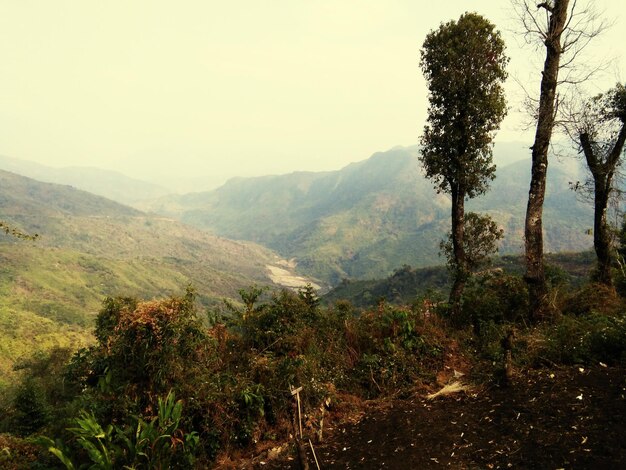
201 87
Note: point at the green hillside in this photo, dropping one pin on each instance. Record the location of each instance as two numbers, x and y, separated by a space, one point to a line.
89 248
367 219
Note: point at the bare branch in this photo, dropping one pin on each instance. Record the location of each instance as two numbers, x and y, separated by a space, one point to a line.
546 6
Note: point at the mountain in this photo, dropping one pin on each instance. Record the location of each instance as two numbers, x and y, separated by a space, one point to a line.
370 217
110 184
566 218
90 247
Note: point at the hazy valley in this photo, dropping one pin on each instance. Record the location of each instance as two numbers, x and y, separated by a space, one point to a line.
90 247
369 218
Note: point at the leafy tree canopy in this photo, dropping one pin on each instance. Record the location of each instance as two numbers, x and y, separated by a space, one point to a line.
464 64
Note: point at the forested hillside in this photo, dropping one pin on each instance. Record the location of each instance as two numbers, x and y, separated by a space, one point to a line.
372 216
88 248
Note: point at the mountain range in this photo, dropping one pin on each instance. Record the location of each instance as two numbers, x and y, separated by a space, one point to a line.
363 221
110 184
371 217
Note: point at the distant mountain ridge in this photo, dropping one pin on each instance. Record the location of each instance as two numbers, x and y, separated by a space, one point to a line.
369 218
110 184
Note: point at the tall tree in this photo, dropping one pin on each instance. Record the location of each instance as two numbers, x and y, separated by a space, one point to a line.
563 29
464 65
598 128
533 230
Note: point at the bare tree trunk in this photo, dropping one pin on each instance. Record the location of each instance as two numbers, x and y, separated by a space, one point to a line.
535 273
601 234
602 172
458 246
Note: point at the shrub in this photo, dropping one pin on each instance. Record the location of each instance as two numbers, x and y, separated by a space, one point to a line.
587 339
591 298
157 443
494 298
143 350
31 409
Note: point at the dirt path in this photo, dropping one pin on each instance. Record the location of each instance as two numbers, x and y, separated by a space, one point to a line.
569 418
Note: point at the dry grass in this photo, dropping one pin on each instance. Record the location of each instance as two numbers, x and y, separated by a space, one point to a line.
449 389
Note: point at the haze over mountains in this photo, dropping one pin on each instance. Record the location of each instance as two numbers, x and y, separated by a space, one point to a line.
91 247
111 184
373 216
362 221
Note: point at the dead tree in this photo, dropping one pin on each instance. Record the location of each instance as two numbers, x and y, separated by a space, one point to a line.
564 29
597 126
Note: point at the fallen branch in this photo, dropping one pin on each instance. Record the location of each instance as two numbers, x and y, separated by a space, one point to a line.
449 389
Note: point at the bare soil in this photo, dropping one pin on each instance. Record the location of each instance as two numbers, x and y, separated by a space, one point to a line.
562 418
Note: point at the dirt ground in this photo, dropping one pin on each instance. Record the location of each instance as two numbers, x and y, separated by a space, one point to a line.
565 418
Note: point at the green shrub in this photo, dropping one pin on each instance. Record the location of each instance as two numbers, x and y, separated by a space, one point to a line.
494 298
157 443
32 411
584 340
234 378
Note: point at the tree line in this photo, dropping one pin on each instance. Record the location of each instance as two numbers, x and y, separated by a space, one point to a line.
464 63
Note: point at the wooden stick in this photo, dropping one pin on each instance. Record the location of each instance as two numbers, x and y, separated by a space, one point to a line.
296 392
314 456
299 414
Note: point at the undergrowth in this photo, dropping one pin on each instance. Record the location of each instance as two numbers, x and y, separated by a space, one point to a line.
112 404
232 379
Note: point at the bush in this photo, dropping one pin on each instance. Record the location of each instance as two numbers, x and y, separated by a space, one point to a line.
586 340
19 454
494 298
591 298
143 350
157 443
392 348
31 409
234 378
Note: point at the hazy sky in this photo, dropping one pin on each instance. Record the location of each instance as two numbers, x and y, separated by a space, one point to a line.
199 87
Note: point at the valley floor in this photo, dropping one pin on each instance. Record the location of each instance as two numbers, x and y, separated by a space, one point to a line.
559 418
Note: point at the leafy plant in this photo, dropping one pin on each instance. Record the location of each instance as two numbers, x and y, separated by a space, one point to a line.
159 443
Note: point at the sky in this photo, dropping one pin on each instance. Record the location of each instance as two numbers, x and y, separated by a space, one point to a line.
161 89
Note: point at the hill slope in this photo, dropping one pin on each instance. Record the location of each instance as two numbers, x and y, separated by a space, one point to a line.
89 248
110 184
370 217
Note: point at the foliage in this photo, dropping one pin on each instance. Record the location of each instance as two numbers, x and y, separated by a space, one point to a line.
19 454
592 298
159 443
31 410
587 339
495 298
394 347
15 232
464 64
143 347
39 399
481 237
235 378
407 285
